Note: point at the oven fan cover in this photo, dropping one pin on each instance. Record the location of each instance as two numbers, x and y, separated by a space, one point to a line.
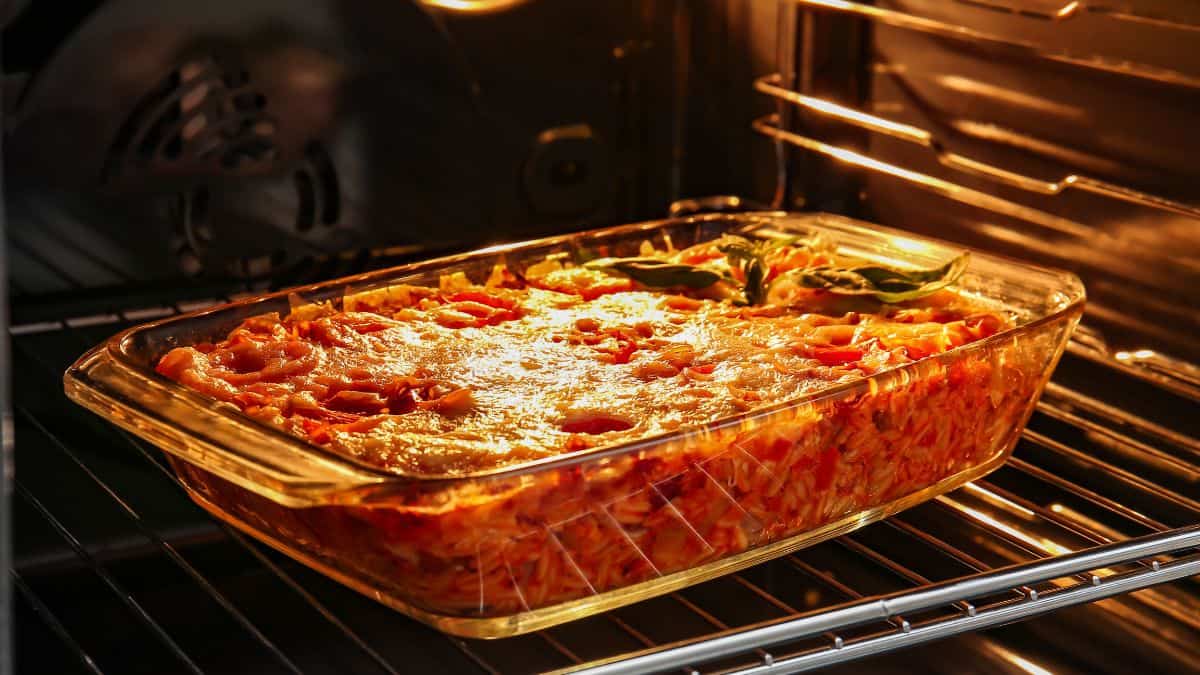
241 138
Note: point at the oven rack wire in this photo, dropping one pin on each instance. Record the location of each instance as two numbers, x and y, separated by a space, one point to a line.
1051 575
1129 265
1070 9
1042 231
771 86
891 609
771 127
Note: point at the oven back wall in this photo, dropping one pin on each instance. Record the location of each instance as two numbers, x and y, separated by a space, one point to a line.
150 140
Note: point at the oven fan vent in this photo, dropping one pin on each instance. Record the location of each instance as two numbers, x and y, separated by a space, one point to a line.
192 238
203 117
191 232
318 198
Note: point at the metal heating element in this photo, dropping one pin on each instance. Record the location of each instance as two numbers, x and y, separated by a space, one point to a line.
1100 502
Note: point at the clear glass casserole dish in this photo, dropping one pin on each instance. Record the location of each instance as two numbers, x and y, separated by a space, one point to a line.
515 548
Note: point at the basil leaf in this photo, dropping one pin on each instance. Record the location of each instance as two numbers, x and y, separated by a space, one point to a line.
750 256
887 284
756 289
657 273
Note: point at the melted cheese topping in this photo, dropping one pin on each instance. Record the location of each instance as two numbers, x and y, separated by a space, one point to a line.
438 383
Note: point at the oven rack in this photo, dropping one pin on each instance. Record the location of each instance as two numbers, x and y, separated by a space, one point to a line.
1136 264
1071 9
891 609
1057 238
771 86
1068 10
1085 545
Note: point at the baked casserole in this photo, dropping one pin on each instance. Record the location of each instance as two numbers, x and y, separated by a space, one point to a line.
601 421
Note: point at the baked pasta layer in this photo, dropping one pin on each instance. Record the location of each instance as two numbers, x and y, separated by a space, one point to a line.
466 378
560 357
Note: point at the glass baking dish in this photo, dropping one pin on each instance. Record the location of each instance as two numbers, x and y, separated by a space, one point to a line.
523 547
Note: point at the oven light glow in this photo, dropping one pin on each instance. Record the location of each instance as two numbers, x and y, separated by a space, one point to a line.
497 248
998 501
1067 11
1019 661
986 90
1139 355
1048 545
474 6
910 246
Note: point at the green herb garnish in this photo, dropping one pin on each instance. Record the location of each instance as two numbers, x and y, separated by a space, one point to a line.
887 284
657 273
750 256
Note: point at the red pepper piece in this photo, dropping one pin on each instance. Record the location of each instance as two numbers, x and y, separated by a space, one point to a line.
835 356
826 467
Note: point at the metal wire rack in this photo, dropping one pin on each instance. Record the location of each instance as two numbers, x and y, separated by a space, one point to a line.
1095 62
1063 11
770 85
906 138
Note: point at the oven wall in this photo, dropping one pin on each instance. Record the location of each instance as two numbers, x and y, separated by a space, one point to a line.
151 140
731 43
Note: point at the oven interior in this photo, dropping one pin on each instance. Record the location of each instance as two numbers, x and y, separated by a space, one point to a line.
161 157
